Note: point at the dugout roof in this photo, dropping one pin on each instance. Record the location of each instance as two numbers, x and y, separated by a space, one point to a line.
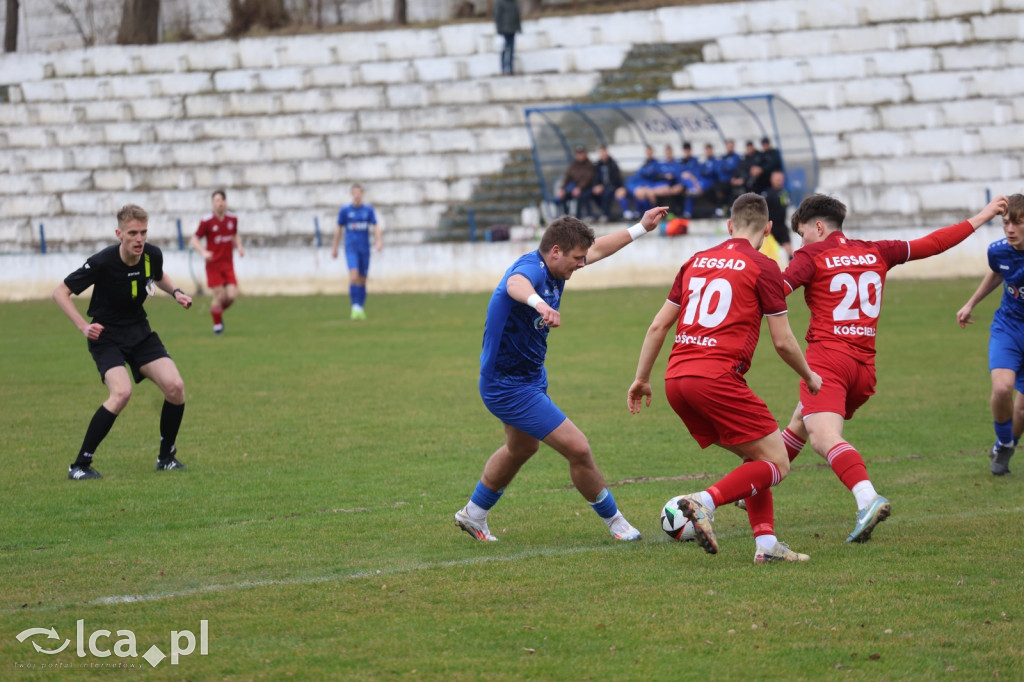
626 127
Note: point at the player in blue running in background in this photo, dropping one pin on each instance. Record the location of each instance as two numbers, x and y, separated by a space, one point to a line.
1006 339
357 218
513 380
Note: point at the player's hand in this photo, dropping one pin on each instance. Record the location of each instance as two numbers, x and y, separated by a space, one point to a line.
654 216
207 255
814 385
636 394
334 253
549 315
379 246
241 252
963 316
183 299
93 331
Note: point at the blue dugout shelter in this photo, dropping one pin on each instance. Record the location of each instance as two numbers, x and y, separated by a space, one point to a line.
627 127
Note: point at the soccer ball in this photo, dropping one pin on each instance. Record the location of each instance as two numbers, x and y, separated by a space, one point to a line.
675 523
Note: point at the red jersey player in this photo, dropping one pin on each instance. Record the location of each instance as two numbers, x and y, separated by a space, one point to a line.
716 305
220 229
842 280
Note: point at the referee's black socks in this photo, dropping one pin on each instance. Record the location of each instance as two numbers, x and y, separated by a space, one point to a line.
170 422
98 429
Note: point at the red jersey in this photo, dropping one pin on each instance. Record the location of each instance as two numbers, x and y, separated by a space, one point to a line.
220 235
842 280
722 292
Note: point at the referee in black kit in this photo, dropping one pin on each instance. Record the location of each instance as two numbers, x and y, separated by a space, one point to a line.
122 277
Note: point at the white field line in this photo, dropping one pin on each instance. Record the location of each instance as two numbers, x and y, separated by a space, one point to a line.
468 561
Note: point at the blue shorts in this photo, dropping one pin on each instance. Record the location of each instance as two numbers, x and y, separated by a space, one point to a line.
358 259
527 408
1006 350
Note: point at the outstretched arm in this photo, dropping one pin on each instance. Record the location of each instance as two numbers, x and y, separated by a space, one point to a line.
520 289
947 237
655 339
988 284
610 243
789 350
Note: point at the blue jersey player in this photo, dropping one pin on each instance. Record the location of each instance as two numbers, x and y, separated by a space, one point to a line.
356 219
513 381
1006 339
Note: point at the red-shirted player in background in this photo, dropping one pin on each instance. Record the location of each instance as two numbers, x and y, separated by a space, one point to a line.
221 231
842 280
716 305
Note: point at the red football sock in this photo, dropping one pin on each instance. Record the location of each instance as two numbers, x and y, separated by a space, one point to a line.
218 315
743 481
761 513
847 464
794 444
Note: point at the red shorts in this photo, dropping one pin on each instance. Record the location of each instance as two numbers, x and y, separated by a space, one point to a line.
720 410
219 273
845 383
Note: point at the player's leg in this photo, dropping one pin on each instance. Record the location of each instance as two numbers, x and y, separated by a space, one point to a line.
825 431
164 373
1005 361
1003 403
228 296
794 436
725 411
364 271
500 469
119 390
216 281
572 444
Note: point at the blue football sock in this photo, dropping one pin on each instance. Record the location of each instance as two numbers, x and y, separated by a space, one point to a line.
361 294
1004 431
623 204
353 294
605 505
484 497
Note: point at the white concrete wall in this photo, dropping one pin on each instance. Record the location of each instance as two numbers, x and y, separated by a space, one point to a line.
916 110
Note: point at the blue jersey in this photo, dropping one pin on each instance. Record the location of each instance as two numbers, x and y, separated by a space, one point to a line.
357 221
1008 262
515 341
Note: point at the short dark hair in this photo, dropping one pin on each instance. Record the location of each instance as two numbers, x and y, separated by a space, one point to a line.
821 207
765 140
221 192
1015 209
567 233
749 213
687 145
131 212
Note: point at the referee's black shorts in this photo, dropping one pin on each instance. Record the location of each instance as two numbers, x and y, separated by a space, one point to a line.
137 345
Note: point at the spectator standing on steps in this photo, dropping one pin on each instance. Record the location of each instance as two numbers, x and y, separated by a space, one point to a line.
507 24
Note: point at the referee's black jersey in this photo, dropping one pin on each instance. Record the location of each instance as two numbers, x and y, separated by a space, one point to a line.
119 290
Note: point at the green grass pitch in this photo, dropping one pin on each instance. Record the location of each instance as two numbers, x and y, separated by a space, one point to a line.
313 531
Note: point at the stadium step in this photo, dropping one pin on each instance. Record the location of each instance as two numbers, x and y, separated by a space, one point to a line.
499 198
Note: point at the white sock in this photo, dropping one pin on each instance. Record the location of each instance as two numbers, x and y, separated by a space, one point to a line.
765 541
476 512
864 492
705 497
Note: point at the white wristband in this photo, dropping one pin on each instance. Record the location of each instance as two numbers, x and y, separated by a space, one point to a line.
534 300
637 230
